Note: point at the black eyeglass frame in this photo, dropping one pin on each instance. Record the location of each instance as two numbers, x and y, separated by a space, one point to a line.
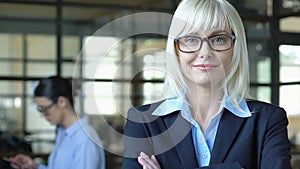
233 38
44 109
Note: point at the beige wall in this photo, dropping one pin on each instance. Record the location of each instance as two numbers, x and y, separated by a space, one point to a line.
294 128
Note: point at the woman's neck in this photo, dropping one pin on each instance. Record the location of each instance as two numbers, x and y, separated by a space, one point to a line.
205 104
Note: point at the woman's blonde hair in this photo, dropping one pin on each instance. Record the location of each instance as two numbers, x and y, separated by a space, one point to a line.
193 16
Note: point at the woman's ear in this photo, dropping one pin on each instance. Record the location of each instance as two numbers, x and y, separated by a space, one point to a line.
176 51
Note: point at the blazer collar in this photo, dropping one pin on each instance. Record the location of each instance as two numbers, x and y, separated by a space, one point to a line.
171 105
180 133
228 129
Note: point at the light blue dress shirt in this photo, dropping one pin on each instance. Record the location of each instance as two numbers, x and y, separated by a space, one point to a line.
77 147
203 141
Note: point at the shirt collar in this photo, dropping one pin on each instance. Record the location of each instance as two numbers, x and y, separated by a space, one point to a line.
74 127
244 112
179 103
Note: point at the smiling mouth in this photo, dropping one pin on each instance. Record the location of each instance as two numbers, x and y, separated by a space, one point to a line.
205 66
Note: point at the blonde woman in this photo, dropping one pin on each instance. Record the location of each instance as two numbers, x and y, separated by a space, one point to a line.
207 119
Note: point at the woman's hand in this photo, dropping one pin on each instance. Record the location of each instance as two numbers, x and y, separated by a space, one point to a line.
148 162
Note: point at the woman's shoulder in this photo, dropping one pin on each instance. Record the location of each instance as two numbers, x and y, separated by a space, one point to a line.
143 113
257 104
265 108
147 107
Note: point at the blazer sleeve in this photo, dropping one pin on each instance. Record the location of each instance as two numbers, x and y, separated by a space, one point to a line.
136 140
276 146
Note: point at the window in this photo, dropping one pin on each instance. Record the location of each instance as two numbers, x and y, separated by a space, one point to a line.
290 77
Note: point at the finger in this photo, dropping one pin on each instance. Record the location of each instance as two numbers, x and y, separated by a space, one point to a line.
144 163
154 160
148 162
141 161
142 154
12 159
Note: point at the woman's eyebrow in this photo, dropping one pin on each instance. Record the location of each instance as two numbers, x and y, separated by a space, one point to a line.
217 32
210 34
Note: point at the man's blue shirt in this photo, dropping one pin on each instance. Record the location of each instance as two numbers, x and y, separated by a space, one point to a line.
77 147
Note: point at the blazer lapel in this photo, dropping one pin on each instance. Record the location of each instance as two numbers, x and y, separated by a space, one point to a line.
180 133
228 129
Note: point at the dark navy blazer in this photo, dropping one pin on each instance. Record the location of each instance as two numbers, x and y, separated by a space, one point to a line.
256 142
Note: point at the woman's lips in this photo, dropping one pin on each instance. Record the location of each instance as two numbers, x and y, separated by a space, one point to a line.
205 66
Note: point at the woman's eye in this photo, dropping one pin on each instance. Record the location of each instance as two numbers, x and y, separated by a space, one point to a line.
191 40
218 39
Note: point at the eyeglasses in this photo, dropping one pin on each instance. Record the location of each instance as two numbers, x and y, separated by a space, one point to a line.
44 109
189 44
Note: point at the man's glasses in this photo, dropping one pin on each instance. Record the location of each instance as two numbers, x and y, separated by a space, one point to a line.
44 109
189 44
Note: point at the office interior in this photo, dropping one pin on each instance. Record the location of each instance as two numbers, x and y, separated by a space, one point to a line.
114 51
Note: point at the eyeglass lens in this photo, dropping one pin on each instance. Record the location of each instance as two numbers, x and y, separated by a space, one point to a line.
44 109
217 42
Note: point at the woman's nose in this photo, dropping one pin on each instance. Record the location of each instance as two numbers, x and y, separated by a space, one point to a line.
205 50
